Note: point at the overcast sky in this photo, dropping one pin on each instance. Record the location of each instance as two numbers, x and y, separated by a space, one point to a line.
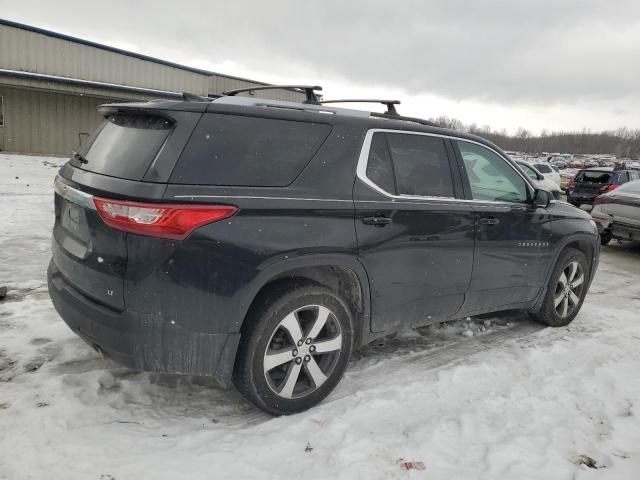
544 64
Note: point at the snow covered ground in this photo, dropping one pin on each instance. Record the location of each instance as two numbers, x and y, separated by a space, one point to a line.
480 399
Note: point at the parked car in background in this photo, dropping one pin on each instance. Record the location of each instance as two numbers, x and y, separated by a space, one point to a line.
617 213
589 183
539 179
261 242
548 172
576 164
591 163
559 164
565 177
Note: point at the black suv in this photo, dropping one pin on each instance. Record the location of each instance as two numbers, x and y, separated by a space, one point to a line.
260 242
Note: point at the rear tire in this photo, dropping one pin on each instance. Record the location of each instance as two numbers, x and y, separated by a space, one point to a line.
566 290
295 346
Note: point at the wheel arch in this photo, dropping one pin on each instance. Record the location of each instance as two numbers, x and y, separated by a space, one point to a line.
587 244
343 274
584 243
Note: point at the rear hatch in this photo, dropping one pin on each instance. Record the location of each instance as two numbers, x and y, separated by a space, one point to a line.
114 163
90 255
592 182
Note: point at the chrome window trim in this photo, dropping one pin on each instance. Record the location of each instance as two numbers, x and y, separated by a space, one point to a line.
73 195
251 197
363 159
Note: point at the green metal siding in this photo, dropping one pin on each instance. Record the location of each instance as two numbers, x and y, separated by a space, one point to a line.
46 116
46 123
219 84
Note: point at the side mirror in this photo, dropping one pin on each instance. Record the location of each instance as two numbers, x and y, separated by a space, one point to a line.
542 199
541 177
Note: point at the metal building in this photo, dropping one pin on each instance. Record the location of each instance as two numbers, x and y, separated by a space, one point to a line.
51 85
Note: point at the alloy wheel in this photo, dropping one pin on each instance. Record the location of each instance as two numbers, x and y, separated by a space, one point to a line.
569 289
302 351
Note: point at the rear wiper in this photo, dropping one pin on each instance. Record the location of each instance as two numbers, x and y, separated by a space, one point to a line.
79 156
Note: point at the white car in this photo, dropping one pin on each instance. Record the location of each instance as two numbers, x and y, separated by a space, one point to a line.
547 170
540 180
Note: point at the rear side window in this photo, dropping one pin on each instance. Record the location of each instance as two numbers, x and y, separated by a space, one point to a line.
421 165
408 164
379 168
125 145
593 177
248 151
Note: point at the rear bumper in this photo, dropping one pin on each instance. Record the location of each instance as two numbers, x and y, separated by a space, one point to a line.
144 342
579 197
624 231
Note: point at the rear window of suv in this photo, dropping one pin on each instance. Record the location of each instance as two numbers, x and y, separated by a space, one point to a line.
125 145
248 151
593 177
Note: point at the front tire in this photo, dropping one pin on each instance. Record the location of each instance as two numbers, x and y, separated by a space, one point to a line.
566 290
605 237
295 346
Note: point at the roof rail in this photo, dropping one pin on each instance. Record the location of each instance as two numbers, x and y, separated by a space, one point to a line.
192 97
390 104
309 90
421 121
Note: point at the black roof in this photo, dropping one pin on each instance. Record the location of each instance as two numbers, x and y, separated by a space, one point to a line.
304 112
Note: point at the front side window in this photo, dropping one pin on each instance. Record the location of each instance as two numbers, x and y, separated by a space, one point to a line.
491 178
410 164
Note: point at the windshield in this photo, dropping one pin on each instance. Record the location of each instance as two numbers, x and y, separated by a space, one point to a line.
543 167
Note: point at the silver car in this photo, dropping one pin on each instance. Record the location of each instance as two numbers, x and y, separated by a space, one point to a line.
617 213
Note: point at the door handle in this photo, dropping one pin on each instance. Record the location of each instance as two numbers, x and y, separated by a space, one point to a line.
488 221
377 221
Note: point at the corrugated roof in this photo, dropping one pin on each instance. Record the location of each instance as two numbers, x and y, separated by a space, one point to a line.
88 43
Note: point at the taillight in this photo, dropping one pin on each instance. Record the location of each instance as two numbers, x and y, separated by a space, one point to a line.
164 220
598 200
570 184
612 186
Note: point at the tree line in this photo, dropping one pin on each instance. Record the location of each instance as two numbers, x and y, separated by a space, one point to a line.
622 142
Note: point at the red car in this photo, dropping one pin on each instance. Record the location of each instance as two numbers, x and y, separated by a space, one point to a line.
576 164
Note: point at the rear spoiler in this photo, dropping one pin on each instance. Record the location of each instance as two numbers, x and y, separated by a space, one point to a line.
155 106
